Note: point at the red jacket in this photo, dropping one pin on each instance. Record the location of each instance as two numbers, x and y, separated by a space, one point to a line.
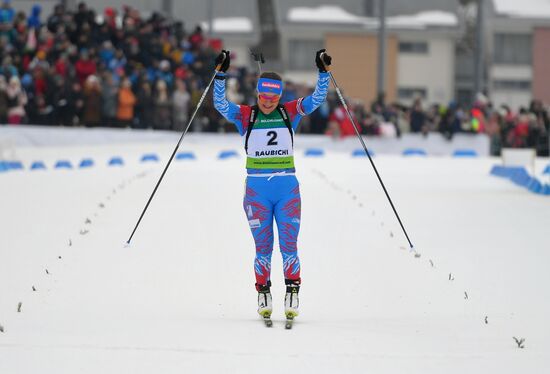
84 69
340 116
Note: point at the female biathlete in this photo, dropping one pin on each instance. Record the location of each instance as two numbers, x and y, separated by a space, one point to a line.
272 190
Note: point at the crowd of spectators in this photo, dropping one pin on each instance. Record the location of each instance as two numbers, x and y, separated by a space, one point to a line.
119 69
528 127
84 69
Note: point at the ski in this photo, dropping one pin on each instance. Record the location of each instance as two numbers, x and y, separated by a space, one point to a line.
289 322
267 321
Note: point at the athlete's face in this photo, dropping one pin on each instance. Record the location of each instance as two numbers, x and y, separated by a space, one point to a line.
267 102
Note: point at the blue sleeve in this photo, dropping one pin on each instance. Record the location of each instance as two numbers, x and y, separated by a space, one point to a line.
230 111
312 102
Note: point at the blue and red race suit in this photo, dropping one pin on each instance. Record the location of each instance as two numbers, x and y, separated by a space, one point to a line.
272 189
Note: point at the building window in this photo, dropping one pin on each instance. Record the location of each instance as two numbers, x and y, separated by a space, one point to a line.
514 49
512 85
413 47
409 93
300 52
369 8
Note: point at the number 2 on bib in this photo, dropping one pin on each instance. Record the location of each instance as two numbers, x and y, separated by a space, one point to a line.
273 140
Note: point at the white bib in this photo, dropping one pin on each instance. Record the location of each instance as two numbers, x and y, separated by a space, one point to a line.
275 142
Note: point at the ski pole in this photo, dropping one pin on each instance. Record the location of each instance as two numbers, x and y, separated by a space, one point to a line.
341 97
259 58
176 149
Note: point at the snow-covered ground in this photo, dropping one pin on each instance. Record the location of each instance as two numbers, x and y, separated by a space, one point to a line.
181 299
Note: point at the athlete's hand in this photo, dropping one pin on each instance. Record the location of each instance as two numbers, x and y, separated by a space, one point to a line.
223 60
322 60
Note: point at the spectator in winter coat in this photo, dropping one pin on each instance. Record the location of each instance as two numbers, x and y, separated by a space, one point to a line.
520 132
110 17
3 100
417 117
107 53
537 108
188 58
82 15
196 38
17 99
181 99
370 124
165 74
84 67
8 69
494 126
60 101
163 107
126 103
34 19
41 112
7 13
145 106
56 19
92 102
478 120
117 64
181 72
109 102
340 124
40 82
75 105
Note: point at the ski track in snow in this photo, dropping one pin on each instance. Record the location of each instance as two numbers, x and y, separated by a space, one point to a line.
180 298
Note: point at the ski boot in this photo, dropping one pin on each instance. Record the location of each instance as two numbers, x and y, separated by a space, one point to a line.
265 306
291 301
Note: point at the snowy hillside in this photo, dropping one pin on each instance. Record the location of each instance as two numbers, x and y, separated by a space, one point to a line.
181 299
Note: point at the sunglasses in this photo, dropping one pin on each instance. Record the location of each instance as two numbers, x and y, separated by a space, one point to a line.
269 98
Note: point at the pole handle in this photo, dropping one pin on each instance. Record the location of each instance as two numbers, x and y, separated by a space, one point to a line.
219 66
327 67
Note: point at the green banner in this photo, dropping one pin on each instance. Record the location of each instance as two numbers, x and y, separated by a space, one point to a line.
270 163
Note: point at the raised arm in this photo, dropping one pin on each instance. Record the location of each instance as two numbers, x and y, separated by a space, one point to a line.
306 105
310 103
230 111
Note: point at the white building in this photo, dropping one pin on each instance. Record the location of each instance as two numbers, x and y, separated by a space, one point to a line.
517 33
425 46
426 59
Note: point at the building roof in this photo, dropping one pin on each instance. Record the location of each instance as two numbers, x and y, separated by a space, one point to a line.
431 18
369 8
230 25
323 14
522 8
336 15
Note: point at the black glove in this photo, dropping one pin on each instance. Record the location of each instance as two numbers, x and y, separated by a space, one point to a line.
224 59
322 62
